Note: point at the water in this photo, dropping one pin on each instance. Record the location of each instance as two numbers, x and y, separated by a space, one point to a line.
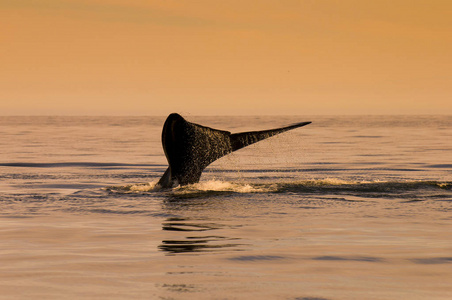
348 207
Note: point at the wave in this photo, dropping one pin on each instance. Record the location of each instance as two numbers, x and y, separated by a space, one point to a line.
206 186
328 186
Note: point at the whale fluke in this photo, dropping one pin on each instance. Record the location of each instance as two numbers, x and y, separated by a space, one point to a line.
190 148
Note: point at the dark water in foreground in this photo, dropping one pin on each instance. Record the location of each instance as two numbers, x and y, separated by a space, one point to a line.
345 208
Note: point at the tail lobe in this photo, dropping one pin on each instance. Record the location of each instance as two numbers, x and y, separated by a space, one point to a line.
243 139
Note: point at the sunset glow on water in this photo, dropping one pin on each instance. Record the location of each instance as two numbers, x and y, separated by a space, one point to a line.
345 208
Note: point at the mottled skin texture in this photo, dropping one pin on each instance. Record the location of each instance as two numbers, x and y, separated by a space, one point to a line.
190 148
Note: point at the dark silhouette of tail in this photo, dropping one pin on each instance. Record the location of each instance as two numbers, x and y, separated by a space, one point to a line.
190 148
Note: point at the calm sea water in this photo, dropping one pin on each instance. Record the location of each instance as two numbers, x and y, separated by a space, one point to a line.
348 207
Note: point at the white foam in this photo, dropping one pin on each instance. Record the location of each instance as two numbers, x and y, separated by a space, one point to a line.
333 181
137 188
144 187
224 186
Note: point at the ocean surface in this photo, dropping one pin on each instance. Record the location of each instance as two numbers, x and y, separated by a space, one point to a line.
348 207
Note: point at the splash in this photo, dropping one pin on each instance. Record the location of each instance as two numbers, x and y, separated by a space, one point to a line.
135 188
225 186
205 186
423 190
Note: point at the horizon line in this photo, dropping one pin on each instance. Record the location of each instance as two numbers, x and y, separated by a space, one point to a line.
225 115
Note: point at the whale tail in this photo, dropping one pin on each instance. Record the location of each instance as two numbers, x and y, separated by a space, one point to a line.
190 148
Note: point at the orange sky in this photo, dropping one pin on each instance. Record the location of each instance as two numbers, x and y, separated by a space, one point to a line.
142 57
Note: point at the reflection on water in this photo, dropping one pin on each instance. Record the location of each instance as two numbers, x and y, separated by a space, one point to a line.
192 244
196 244
181 224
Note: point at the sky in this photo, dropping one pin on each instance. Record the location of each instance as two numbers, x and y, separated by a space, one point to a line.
232 57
